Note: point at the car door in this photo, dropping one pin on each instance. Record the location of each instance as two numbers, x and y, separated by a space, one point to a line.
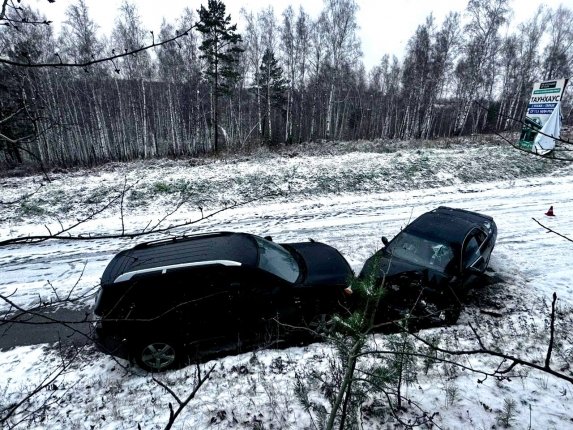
267 308
205 306
474 258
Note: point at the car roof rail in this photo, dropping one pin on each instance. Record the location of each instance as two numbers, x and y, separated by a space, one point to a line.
178 238
164 269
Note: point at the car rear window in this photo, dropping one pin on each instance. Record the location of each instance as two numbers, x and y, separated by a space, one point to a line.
275 259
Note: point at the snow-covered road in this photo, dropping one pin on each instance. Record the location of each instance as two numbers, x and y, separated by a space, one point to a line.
351 223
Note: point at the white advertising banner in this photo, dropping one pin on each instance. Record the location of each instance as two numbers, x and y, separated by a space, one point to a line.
543 116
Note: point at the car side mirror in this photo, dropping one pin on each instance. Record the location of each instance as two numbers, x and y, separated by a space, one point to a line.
269 238
385 240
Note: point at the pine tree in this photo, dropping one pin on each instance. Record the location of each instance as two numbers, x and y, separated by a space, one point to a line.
220 49
273 85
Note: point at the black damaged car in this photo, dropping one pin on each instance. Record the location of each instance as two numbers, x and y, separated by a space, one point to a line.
429 266
198 296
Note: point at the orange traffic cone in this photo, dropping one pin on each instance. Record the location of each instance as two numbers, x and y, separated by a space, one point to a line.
550 212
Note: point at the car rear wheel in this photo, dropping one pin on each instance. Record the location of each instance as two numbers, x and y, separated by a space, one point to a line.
157 356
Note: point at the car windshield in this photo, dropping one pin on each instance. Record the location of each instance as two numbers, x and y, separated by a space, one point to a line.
422 251
275 259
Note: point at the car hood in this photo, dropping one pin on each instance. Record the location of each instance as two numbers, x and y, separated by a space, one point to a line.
401 271
324 265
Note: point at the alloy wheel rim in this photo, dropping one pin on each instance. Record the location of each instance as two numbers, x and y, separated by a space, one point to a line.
158 355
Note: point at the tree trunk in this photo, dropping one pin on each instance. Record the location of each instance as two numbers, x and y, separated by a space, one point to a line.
259 111
269 113
329 112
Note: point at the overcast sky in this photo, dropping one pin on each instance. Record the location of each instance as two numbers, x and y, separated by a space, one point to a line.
385 25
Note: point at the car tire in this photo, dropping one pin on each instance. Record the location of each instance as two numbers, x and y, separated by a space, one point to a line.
157 356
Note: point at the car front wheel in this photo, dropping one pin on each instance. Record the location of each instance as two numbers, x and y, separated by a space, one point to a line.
157 356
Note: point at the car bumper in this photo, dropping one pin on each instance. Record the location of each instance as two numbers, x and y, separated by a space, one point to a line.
109 344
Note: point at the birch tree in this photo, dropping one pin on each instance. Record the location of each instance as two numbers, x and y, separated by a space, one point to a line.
445 48
302 49
317 59
128 35
273 85
254 54
171 61
558 55
416 80
477 70
340 28
288 38
78 39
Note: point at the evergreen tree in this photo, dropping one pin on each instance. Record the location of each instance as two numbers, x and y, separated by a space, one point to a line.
220 49
20 89
273 86
13 121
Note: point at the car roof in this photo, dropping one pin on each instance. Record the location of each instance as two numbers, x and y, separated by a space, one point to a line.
213 248
446 224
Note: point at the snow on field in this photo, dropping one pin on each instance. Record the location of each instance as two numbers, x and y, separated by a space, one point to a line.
348 200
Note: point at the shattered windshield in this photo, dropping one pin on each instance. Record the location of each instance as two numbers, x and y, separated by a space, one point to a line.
421 251
275 259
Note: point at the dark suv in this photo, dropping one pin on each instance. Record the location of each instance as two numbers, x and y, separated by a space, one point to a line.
163 301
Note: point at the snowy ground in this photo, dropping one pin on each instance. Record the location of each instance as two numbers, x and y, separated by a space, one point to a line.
346 199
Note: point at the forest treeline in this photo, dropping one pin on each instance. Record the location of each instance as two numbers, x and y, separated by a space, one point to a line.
284 78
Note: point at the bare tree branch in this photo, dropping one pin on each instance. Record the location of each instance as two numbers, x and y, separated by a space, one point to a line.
3 9
548 156
183 402
46 382
128 235
9 117
515 361
112 57
552 231
21 198
551 333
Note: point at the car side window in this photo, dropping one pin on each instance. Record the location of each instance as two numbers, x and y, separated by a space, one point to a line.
480 237
472 248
